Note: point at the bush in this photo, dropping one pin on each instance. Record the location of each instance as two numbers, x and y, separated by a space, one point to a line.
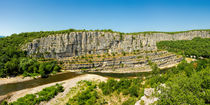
4 103
126 86
134 90
108 87
185 84
87 97
130 101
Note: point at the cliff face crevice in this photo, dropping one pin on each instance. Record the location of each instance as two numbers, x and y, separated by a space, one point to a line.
82 43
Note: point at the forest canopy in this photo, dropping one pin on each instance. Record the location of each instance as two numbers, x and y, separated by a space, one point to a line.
198 47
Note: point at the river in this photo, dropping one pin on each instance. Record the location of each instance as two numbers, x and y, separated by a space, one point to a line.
12 87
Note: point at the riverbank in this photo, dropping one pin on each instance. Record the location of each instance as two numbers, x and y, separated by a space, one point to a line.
21 78
120 70
66 83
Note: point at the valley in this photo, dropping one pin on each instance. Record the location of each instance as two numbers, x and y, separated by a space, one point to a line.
105 66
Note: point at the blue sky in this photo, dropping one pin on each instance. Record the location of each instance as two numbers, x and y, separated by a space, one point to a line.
120 15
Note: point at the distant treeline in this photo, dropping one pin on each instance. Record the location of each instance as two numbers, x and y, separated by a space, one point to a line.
198 47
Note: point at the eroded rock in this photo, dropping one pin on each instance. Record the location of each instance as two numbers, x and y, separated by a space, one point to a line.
81 43
148 97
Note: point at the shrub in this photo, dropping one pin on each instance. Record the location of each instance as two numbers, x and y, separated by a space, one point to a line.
126 86
130 101
86 97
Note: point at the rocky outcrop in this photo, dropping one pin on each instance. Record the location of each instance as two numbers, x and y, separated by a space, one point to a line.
82 43
120 63
148 97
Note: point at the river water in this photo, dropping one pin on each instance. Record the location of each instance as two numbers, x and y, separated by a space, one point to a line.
12 87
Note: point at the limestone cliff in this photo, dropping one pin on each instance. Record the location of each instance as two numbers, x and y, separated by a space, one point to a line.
81 43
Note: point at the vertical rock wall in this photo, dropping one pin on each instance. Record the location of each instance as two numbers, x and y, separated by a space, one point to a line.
81 43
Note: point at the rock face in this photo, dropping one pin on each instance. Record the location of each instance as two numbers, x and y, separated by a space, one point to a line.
81 43
148 98
119 63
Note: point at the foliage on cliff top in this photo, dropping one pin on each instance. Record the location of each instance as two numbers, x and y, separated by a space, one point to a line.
15 40
176 32
25 37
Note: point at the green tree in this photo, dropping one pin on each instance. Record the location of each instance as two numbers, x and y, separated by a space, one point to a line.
155 69
42 70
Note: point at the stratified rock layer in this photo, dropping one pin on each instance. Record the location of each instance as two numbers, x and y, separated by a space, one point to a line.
121 63
82 43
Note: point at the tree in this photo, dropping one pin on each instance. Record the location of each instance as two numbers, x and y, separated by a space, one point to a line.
182 88
155 69
42 70
56 68
11 67
134 90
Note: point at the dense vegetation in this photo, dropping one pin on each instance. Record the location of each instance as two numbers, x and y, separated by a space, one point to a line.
26 66
131 87
87 97
34 99
126 86
13 61
152 32
95 93
11 54
199 47
188 83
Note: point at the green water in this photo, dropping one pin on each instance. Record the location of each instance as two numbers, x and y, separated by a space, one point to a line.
12 87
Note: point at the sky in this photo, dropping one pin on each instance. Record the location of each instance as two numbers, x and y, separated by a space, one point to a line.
18 16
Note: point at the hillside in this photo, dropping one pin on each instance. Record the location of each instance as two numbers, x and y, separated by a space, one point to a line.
186 83
16 49
29 54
